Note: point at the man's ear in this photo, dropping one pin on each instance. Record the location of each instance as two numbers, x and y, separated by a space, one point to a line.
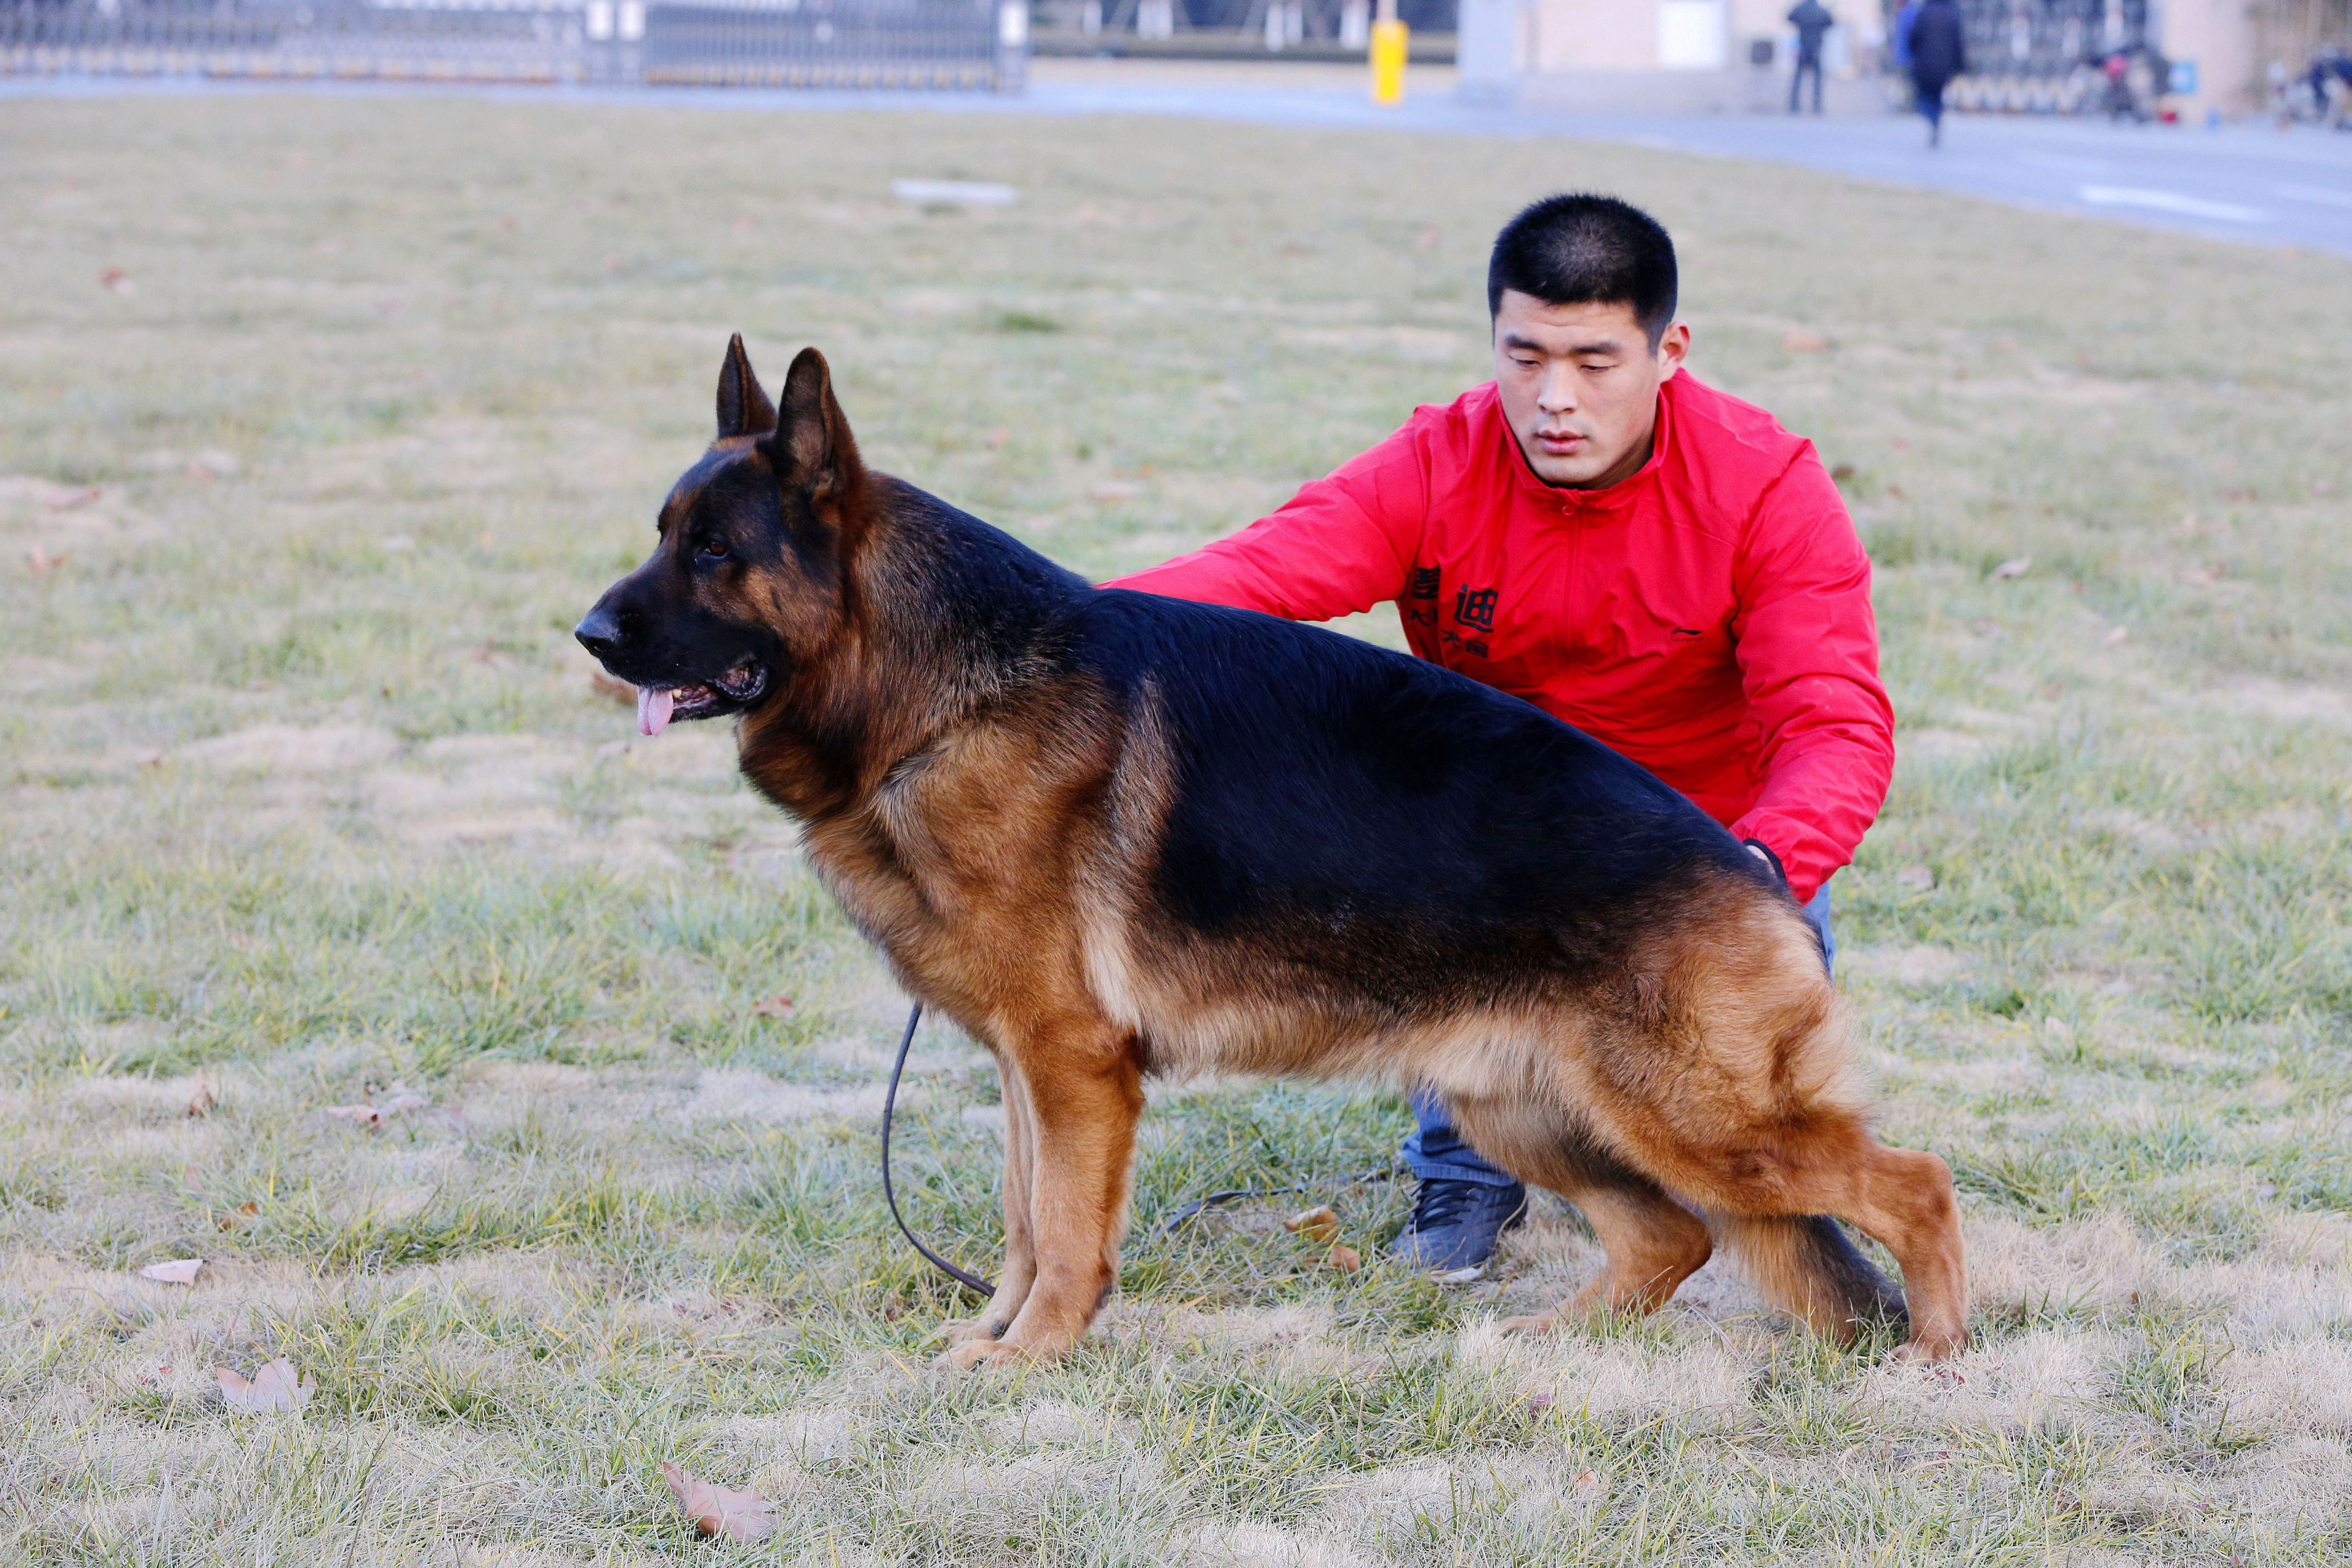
811 447
1674 347
743 408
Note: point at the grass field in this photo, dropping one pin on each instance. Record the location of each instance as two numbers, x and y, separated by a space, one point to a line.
322 420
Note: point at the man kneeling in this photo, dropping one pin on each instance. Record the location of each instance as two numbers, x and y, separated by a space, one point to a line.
1595 530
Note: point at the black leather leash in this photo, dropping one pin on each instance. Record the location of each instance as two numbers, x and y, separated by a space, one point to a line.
889 1105
988 1287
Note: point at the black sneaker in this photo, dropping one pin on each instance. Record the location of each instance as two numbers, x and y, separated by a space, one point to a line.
1455 1224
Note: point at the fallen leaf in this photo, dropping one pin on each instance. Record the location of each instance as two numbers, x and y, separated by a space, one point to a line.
1588 1483
1537 1402
113 277
715 1510
149 759
2015 566
200 1104
997 439
1842 473
1916 877
1319 1224
236 1216
376 1115
2117 638
1801 342
1346 1260
774 1006
620 692
178 1271
67 500
274 1388
43 563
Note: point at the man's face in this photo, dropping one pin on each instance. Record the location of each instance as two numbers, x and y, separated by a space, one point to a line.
1579 386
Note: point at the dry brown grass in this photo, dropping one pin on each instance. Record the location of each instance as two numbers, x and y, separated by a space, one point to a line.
307 791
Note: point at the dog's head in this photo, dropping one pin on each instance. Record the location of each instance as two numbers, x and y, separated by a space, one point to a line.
745 582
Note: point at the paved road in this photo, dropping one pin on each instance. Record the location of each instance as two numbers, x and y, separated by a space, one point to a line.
2244 183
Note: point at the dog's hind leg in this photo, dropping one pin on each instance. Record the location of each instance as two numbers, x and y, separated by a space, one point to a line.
1903 1199
1763 1125
1653 1244
1807 1268
1770 1198
1083 1088
1020 1270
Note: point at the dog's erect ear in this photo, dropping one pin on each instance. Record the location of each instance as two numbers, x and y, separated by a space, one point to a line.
743 408
812 447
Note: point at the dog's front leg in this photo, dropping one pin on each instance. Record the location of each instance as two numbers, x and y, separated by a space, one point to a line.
1083 1093
1020 1270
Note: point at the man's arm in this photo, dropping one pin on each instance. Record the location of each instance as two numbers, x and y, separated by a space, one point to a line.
1341 544
1808 653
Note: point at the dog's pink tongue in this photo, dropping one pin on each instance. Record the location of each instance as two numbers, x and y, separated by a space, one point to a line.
654 704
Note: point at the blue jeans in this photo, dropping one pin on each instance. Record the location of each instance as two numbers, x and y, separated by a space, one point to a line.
1437 1152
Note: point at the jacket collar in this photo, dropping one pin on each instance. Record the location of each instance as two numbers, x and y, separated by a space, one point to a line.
1598 504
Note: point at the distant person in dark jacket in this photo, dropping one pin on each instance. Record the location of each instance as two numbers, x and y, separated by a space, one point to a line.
1899 41
1939 51
1812 21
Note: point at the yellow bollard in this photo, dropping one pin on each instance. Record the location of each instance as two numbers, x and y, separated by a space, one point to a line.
1389 36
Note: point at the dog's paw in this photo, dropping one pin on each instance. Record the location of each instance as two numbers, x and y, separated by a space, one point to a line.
1537 1323
956 1330
1935 1360
985 1350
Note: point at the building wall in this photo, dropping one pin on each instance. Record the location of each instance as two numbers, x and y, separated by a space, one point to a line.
1596 34
1861 21
1624 35
2220 35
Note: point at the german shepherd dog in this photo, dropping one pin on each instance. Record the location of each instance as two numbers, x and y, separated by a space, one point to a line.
1112 834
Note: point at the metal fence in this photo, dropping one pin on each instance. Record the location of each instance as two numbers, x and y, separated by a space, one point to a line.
2047 39
968 44
2043 57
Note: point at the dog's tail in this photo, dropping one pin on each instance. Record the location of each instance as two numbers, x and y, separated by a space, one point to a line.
1807 1267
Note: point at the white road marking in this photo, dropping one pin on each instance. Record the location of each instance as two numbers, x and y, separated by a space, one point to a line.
2169 202
2320 193
955 193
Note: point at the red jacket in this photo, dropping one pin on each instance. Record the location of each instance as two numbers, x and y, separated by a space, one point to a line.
1710 616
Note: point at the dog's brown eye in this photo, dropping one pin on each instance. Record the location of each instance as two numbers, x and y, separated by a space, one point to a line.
714 548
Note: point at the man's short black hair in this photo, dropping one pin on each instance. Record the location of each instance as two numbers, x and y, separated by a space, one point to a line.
1579 248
